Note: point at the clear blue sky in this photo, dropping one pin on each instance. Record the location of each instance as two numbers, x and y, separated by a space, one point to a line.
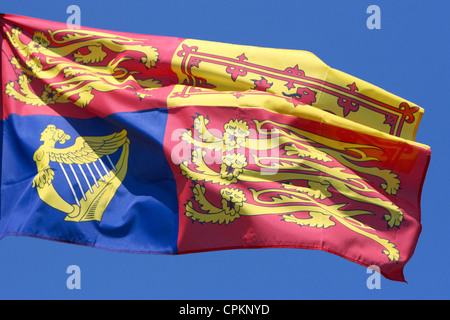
408 56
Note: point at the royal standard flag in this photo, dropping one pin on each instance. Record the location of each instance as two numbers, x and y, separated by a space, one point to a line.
165 145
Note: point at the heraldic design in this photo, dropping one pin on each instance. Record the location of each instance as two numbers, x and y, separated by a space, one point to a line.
75 65
86 153
309 181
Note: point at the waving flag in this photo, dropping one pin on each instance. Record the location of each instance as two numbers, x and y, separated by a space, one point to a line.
165 145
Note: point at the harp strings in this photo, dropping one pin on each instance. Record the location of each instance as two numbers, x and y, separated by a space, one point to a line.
87 176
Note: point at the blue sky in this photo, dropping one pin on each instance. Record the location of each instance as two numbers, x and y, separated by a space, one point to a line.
408 56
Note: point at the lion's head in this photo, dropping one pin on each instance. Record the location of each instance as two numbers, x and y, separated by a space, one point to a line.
39 42
236 131
232 165
232 200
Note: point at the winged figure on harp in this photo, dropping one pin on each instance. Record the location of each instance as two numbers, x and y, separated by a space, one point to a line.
86 153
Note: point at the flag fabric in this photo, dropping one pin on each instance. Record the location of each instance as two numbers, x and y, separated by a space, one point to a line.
155 144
